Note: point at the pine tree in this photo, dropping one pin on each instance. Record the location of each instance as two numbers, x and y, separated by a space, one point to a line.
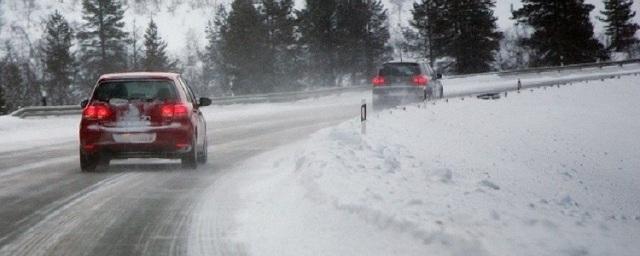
620 27
246 51
563 32
155 55
215 70
351 27
13 83
3 102
362 37
464 30
58 60
282 42
136 48
430 26
4 108
376 49
102 38
473 35
319 36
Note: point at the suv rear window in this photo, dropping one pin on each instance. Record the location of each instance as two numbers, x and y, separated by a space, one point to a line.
147 90
400 69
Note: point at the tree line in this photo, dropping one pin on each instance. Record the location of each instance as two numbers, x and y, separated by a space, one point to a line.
259 46
461 36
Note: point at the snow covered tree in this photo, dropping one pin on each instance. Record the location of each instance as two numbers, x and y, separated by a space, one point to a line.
155 55
282 42
215 71
563 32
376 48
319 37
3 102
362 37
620 27
465 30
58 60
13 84
102 38
473 35
246 49
428 23
135 48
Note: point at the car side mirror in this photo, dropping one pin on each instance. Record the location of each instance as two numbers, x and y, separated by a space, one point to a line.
438 76
84 103
203 102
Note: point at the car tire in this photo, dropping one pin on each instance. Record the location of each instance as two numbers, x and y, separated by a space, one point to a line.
88 163
204 153
190 159
441 92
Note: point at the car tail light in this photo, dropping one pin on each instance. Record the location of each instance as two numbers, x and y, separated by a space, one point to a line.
378 81
174 111
420 80
96 112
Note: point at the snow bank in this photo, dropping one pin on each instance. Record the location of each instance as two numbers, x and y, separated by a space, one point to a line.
19 134
548 172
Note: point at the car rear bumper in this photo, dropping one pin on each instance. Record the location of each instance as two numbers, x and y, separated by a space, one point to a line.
171 141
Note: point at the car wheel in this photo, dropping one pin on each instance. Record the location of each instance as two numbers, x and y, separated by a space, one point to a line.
189 160
204 154
441 92
88 163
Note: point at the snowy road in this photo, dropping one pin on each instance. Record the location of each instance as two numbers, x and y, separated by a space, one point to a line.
50 208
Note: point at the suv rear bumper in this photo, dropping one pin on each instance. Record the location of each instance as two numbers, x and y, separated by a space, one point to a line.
399 95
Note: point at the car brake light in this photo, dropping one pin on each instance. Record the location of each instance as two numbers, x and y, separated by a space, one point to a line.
378 81
174 111
420 80
96 112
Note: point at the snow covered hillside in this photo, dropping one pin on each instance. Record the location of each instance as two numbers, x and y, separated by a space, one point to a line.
548 172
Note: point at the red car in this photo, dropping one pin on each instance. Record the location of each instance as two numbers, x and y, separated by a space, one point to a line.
142 115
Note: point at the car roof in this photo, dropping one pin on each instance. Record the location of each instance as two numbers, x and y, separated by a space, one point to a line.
139 75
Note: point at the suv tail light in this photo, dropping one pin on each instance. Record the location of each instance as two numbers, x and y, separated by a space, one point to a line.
96 112
169 111
378 81
420 80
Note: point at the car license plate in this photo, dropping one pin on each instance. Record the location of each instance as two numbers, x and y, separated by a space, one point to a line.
134 137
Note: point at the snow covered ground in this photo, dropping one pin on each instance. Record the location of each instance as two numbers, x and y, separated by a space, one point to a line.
549 172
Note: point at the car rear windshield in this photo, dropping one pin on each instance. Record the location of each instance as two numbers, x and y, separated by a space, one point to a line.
147 90
400 69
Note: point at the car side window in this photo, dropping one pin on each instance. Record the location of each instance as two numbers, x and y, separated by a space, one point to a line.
184 89
430 70
189 91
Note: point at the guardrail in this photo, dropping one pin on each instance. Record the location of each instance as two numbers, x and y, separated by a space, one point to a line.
292 96
550 69
523 85
242 99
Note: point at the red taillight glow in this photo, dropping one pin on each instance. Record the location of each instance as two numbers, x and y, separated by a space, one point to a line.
96 112
174 111
378 81
420 80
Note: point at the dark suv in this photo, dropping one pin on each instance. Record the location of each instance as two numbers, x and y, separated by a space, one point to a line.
142 115
400 83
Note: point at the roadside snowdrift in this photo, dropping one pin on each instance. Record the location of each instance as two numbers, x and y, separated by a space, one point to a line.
545 172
